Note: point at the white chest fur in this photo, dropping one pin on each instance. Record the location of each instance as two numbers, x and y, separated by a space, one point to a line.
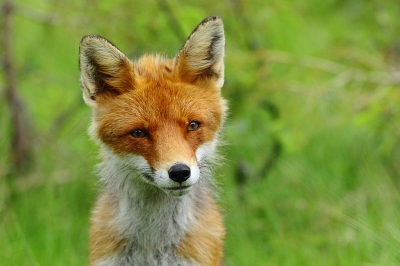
152 222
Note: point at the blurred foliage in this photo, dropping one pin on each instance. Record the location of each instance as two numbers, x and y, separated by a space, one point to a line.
317 79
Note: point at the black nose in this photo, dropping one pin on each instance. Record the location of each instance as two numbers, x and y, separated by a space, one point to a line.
179 172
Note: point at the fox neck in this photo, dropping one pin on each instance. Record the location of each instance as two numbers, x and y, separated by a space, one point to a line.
145 215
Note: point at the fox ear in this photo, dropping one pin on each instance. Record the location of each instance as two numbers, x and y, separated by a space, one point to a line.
105 70
201 59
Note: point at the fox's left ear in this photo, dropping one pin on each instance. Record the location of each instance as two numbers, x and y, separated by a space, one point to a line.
201 59
105 70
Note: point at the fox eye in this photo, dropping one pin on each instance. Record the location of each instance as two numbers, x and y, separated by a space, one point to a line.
193 126
139 133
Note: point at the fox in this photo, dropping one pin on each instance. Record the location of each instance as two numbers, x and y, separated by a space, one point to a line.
157 122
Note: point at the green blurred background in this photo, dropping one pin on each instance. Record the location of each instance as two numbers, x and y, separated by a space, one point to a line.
312 169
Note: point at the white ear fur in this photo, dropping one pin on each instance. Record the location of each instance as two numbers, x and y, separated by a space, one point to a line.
201 59
104 69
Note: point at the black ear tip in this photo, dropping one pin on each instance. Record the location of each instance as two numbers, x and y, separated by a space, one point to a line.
92 42
89 38
212 18
215 19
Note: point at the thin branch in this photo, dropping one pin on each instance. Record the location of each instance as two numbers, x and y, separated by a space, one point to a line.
36 180
173 22
51 18
64 117
251 41
20 142
344 73
254 46
36 14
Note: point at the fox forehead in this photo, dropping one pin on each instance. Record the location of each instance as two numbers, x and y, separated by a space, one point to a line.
162 105
155 101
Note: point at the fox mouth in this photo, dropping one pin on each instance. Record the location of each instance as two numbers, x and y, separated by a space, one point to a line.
177 191
177 188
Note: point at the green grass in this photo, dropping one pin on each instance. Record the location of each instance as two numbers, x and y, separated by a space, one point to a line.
315 210
327 67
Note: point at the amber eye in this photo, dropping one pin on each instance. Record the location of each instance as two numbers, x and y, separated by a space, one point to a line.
139 133
194 125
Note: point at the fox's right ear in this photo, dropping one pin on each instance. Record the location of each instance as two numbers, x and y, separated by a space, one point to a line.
201 59
105 70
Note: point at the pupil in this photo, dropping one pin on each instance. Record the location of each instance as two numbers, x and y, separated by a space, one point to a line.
138 133
194 125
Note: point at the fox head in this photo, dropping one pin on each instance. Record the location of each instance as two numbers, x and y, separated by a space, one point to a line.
158 117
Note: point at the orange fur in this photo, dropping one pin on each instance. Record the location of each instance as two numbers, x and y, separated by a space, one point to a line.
104 236
162 114
204 242
147 214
